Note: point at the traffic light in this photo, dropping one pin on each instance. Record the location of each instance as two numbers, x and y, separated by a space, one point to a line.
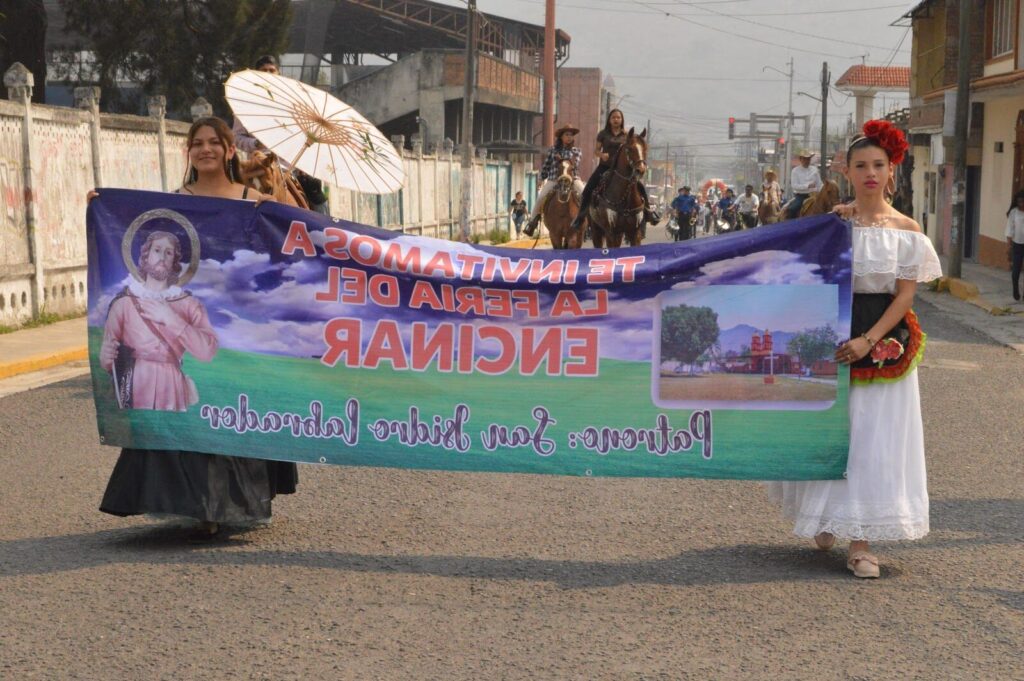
732 127
781 146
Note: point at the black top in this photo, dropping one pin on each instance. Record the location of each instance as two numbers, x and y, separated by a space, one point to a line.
518 207
610 143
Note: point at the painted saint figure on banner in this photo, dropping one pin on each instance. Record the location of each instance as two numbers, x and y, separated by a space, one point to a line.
150 326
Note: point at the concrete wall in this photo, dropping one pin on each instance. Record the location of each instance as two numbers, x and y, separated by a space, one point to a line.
997 177
62 174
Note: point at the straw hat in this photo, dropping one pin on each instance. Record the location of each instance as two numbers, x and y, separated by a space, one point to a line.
804 153
566 128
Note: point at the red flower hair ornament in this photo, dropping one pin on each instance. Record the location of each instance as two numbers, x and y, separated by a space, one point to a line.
889 137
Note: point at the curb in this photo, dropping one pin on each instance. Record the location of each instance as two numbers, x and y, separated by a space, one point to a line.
38 362
969 293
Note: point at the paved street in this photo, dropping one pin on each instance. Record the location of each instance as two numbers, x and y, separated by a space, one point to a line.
387 574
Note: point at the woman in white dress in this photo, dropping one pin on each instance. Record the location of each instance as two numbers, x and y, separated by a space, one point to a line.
884 495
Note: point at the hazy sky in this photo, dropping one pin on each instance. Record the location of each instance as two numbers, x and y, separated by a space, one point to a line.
689 65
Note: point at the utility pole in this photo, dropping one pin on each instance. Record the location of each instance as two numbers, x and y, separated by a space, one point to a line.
788 167
823 164
468 95
549 72
666 183
963 100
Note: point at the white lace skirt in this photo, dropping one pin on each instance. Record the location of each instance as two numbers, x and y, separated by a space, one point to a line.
885 493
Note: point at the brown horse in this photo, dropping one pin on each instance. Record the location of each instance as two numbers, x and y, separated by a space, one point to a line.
561 209
263 173
821 201
617 210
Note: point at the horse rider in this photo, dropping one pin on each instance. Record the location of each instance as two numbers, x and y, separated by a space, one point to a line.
771 192
804 181
746 206
685 206
564 149
611 137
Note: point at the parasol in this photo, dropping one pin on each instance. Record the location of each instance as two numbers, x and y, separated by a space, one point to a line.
318 133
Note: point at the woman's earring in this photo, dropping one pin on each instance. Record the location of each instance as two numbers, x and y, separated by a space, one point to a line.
890 186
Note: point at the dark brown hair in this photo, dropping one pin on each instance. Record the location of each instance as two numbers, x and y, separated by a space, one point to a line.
608 121
232 169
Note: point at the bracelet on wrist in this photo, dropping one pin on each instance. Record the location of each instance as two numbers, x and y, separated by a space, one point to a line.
871 342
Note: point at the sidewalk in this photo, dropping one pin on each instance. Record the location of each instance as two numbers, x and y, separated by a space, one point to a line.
985 303
43 347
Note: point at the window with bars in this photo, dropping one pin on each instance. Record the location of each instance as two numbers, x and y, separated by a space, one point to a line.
1002 23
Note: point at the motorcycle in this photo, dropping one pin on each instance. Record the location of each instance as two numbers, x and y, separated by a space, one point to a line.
725 221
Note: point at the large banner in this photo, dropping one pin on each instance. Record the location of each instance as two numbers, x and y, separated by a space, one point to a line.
273 332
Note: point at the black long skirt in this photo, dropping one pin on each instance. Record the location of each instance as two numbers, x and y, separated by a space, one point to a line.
210 487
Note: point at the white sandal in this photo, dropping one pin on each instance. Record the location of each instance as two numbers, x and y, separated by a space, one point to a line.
862 564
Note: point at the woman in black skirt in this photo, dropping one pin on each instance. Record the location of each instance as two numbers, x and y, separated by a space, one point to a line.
212 489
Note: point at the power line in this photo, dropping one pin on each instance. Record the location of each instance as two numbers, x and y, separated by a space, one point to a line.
745 37
768 26
653 10
712 79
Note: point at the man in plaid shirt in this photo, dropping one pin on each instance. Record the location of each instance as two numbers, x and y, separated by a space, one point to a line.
564 149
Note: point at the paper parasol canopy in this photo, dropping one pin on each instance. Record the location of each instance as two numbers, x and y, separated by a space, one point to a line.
315 132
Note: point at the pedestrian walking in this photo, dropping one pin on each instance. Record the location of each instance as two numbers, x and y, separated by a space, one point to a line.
211 489
1015 240
517 209
685 206
884 495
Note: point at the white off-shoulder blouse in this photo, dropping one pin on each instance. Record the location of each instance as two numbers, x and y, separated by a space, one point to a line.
881 255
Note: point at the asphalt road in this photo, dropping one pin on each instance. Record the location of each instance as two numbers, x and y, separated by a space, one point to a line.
389 574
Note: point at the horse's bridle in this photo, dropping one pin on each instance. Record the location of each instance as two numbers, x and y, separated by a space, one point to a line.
634 173
633 178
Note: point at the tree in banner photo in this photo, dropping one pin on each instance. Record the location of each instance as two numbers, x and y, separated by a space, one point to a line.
277 333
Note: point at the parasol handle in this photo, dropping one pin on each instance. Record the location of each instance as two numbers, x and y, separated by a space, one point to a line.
307 145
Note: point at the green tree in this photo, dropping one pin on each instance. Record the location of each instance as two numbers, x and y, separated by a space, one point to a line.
182 49
811 345
687 332
23 26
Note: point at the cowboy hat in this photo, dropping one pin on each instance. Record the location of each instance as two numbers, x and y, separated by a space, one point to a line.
566 128
804 153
